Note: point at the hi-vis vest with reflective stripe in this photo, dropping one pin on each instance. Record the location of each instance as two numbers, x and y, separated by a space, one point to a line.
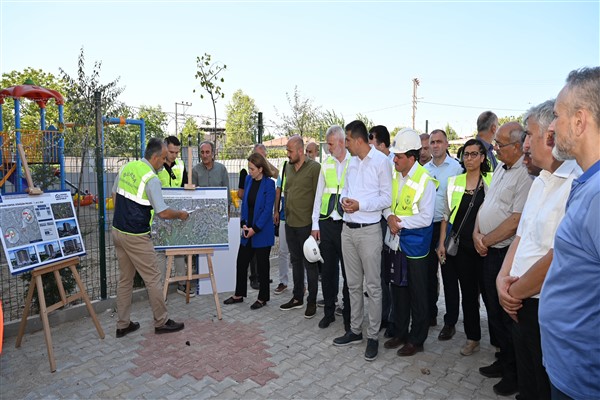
415 243
456 189
132 182
165 177
333 188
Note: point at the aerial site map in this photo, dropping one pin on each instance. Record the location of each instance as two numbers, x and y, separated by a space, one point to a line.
206 226
37 230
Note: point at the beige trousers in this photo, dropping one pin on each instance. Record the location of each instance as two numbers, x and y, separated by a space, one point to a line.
136 253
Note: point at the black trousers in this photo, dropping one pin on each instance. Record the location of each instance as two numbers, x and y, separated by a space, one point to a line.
410 304
499 322
387 310
533 379
331 251
295 238
245 254
253 269
433 285
465 268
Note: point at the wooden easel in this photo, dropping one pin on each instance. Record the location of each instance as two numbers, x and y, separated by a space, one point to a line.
170 253
36 281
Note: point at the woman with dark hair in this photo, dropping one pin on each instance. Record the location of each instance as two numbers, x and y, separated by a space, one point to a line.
464 196
257 230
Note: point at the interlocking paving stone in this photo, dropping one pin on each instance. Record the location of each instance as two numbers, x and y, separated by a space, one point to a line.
286 356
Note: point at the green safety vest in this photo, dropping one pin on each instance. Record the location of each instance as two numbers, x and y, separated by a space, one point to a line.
415 243
132 182
331 193
456 188
408 203
165 177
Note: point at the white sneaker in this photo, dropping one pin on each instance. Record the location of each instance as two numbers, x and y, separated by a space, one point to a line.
470 347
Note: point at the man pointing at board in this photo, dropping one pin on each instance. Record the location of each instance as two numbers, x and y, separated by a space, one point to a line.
136 193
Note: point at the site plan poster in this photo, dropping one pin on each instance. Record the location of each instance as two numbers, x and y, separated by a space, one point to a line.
206 226
38 230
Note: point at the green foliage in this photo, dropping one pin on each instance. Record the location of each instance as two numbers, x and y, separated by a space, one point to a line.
30 112
393 132
241 120
304 118
510 118
80 96
155 120
192 129
450 132
208 74
43 175
268 137
330 118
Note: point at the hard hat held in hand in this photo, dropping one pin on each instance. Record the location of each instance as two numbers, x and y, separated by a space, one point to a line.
406 139
311 250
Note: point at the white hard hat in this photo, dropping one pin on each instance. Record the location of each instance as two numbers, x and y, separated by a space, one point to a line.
406 139
311 250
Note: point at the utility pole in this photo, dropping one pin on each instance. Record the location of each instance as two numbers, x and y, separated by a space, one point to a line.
184 104
261 127
415 85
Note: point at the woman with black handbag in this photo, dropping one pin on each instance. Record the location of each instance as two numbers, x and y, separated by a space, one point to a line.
459 260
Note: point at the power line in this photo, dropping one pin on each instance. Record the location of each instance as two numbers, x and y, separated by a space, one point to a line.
475 107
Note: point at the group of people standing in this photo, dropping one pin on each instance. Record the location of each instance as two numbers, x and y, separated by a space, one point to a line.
389 216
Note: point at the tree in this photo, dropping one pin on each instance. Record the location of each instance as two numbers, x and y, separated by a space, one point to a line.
450 132
304 118
241 120
80 95
208 74
155 120
191 129
510 118
330 118
30 111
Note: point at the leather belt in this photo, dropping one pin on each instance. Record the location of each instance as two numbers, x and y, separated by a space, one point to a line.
354 225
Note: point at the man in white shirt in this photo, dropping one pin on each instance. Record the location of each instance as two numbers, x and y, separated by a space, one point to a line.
441 167
366 194
327 224
530 254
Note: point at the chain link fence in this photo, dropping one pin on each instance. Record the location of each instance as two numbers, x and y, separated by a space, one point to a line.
81 179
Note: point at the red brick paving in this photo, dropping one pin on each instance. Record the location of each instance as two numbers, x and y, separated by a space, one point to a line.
217 349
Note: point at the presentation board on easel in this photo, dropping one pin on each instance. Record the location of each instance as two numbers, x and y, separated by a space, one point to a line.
39 230
207 226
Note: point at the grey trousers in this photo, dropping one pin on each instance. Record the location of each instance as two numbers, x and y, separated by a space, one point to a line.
361 248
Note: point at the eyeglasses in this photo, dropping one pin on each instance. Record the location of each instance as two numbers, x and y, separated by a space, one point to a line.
500 145
371 136
473 154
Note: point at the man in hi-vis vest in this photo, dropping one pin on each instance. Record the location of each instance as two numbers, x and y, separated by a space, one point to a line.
410 227
136 193
174 175
327 224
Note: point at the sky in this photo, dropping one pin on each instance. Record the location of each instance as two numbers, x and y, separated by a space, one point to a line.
347 57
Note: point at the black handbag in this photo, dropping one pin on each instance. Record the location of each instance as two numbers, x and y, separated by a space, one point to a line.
451 242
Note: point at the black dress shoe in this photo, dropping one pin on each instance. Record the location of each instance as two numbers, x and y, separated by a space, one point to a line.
257 304
326 321
408 350
447 332
169 326
389 332
506 387
133 326
492 371
233 300
255 285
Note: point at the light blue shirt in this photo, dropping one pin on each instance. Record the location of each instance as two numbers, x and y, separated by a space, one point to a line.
448 168
569 310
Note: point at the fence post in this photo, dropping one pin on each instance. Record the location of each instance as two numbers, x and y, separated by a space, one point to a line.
100 184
